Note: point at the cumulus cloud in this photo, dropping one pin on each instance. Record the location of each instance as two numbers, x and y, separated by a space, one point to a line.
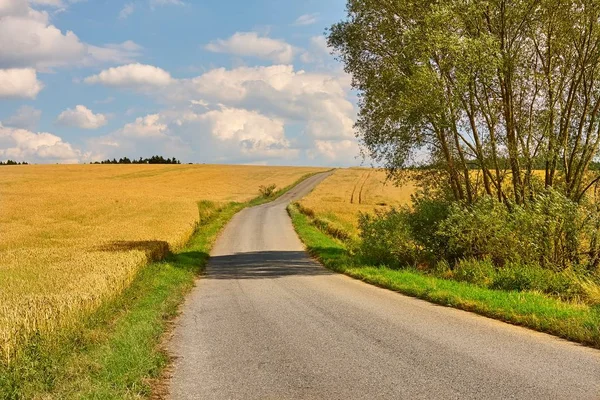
252 132
318 99
145 127
306 19
26 117
81 117
13 7
19 83
250 114
146 135
29 39
341 150
132 76
22 144
252 45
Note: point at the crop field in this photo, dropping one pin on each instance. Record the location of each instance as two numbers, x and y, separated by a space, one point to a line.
342 196
73 236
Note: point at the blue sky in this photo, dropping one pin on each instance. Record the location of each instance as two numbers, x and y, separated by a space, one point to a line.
204 81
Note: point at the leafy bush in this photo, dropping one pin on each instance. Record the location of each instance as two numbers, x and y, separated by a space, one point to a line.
478 272
550 245
548 232
267 191
424 220
386 239
480 231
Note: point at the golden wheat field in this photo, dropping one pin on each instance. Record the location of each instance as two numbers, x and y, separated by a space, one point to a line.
347 192
72 236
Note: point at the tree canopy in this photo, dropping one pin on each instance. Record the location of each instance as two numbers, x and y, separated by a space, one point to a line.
505 86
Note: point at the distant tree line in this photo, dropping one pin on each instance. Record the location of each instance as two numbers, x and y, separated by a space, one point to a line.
151 160
11 162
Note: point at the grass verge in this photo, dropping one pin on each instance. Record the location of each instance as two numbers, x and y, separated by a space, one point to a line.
115 352
576 322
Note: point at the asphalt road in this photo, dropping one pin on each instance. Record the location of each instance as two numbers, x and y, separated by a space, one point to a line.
266 322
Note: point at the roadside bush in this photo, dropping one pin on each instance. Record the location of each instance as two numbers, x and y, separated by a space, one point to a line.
267 191
551 245
478 272
480 231
548 232
424 220
551 227
386 239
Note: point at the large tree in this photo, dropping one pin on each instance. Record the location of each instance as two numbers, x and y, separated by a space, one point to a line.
491 89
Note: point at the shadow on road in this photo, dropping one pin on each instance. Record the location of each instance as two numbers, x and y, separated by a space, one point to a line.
263 265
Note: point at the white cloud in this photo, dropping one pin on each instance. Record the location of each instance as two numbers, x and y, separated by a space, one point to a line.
317 99
19 83
145 127
28 39
26 117
306 19
81 117
119 53
251 44
252 132
52 3
24 145
13 7
126 11
145 136
132 76
341 150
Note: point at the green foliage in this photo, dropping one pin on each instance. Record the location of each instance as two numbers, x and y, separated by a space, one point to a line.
386 238
576 322
267 191
423 220
479 85
479 231
551 231
478 272
548 246
523 277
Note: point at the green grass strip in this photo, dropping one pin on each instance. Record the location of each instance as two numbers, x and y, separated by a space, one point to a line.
576 322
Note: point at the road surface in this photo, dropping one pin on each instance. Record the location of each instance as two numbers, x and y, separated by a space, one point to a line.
267 322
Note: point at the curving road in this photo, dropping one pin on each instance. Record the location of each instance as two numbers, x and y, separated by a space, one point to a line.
267 322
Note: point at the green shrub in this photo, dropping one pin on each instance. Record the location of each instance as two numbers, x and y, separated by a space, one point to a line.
479 231
386 239
424 220
548 231
478 272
